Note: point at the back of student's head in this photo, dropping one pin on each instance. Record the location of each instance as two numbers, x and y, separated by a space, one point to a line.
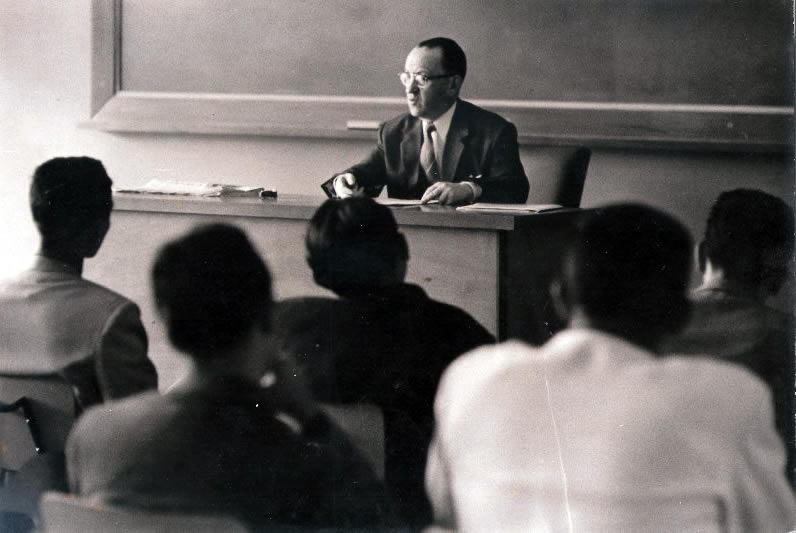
749 235
69 194
211 287
628 269
354 244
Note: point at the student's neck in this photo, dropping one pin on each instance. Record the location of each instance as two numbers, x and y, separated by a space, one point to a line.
68 257
630 333
201 375
715 278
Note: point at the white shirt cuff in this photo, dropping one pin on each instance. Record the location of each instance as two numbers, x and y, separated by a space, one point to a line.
476 189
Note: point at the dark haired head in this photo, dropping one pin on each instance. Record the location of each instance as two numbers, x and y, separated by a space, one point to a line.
453 59
212 288
69 194
628 270
749 236
354 244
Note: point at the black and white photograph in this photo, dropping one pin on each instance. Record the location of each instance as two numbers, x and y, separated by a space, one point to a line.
401 266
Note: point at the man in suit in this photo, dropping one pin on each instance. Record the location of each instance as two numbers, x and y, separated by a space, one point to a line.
444 149
217 442
594 431
52 320
745 259
384 341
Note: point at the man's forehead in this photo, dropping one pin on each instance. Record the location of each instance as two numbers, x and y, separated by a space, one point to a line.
424 59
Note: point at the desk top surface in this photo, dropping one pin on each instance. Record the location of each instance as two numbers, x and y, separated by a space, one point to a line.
302 207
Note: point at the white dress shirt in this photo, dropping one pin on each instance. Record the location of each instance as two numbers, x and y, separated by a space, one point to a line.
440 136
592 433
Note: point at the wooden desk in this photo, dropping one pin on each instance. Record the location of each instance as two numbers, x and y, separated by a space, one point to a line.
495 266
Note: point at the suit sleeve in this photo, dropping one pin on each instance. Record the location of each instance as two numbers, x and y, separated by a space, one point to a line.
505 180
344 479
371 172
123 367
763 498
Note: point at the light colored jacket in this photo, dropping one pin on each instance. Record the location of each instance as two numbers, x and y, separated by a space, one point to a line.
592 433
54 321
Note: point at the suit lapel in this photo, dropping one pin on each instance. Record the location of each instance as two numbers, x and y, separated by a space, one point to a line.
454 144
410 151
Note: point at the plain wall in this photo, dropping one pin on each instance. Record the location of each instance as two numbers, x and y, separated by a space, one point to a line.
45 70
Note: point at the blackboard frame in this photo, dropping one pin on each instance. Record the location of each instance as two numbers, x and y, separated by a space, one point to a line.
596 124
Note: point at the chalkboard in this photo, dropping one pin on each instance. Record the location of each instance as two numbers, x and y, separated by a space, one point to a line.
677 70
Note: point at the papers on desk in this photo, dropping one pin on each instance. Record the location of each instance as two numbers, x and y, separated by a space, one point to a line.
510 208
193 188
397 202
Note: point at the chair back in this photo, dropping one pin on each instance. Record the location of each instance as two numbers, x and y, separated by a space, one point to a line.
556 174
364 425
36 414
65 513
37 411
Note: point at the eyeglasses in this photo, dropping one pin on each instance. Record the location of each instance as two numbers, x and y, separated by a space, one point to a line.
420 79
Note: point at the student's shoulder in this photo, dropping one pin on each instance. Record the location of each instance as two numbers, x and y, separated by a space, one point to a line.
101 297
109 417
482 363
709 379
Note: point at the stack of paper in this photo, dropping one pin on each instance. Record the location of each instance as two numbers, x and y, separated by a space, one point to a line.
193 188
520 208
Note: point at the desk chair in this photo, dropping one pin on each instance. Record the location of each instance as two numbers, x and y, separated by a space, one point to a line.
364 425
36 414
556 174
65 513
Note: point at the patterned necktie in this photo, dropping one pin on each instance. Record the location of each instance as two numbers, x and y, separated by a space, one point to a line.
427 156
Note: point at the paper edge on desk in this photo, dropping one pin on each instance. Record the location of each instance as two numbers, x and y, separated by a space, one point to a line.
523 208
198 189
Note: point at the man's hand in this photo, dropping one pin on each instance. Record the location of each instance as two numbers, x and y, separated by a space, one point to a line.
448 193
346 186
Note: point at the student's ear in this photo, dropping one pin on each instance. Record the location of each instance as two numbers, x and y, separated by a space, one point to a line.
560 299
701 256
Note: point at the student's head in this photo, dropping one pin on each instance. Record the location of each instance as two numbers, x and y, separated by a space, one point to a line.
354 245
749 238
70 199
626 273
212 289
444 64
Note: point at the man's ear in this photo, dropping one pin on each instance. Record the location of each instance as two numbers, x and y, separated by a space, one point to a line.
701 256
455 85
560 299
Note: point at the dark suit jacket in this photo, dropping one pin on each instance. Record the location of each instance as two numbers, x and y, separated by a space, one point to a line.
222 449
388 347
479 142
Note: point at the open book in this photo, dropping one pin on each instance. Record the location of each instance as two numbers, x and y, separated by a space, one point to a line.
516 208
193 188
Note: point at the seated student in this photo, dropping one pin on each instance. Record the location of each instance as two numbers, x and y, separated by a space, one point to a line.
54 321
383 342
745 258
593 431
218 442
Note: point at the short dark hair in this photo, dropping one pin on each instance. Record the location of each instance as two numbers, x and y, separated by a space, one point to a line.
353 244
211 287
749 235
69 193
630 264
453 59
